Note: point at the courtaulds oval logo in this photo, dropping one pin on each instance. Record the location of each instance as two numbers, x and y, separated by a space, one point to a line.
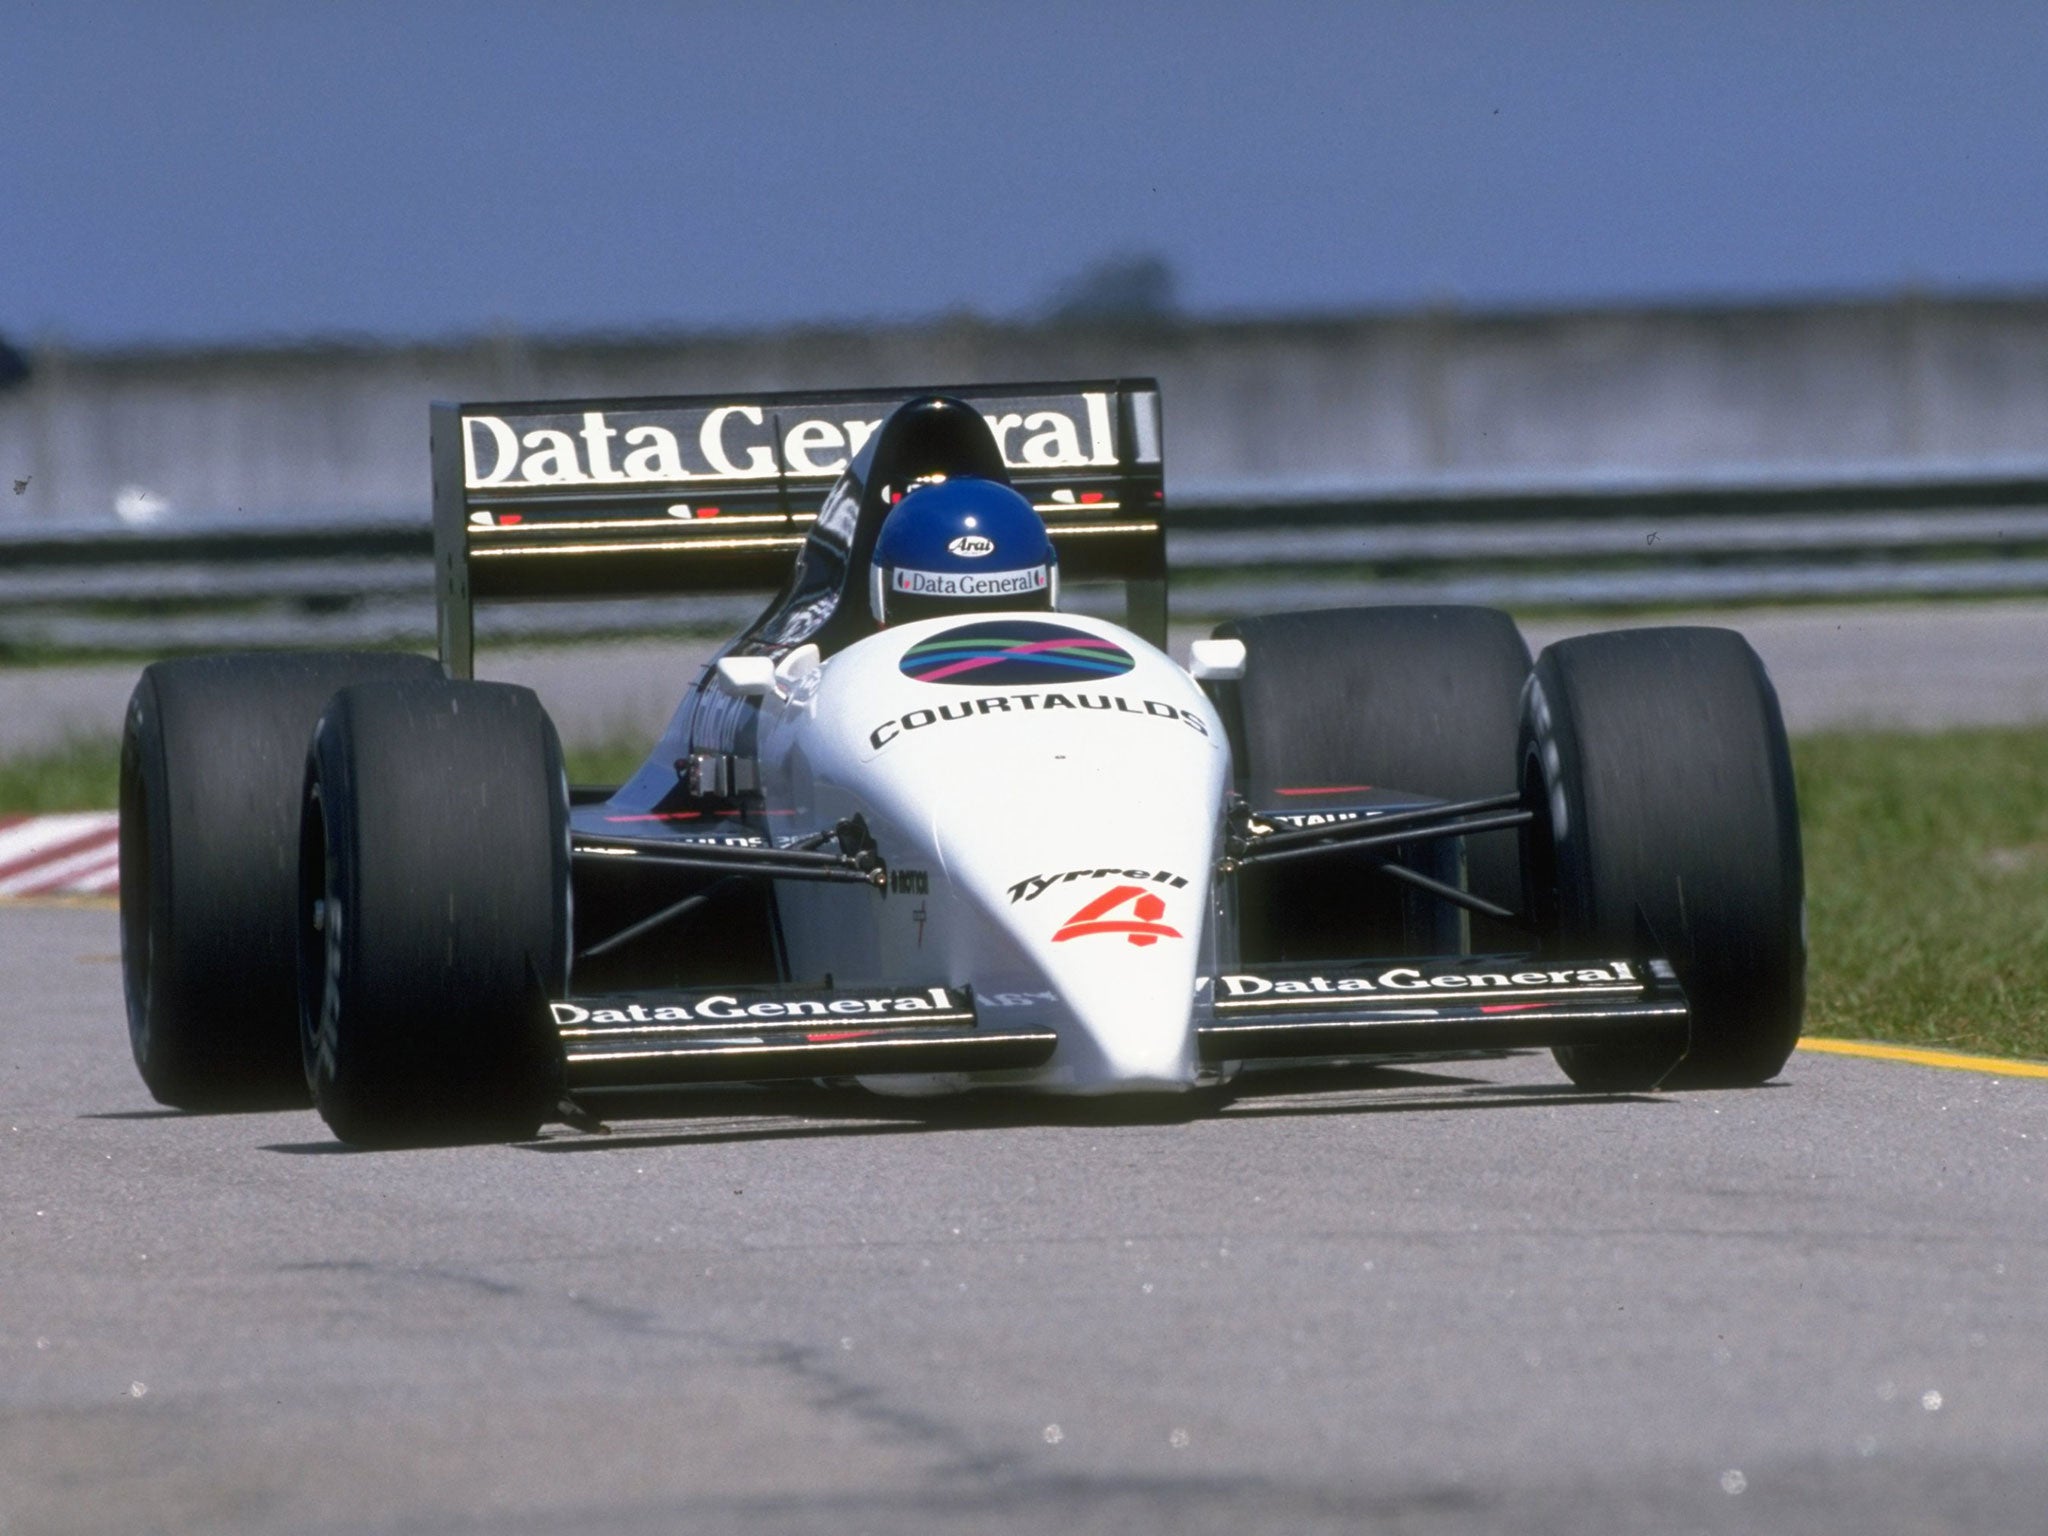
971 546
1002 653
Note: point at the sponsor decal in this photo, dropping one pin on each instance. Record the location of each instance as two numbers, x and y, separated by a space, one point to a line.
742 441
672 845
724 1007
1034 578
1003 653
1616 974
1031 887
1142 927
1014 999
910 882
1299 820
918 917
971 546
1036 704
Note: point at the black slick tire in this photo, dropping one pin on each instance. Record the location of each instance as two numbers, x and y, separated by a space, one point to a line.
1667 820
212 759
434 913
1421 698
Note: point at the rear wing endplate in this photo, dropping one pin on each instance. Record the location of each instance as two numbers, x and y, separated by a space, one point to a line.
715 493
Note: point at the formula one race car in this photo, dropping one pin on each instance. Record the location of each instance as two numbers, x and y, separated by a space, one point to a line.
918 826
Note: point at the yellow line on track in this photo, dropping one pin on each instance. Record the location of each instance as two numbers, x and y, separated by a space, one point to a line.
1950 1061
96 903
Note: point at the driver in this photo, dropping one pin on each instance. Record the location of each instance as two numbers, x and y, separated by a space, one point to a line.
962 545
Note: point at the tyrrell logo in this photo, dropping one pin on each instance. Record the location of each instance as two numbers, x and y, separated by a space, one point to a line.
1031 887
744 442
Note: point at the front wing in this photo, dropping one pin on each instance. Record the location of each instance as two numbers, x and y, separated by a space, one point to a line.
758 1034
1463 1004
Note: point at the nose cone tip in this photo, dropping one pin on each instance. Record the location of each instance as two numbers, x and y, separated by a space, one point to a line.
1129 1026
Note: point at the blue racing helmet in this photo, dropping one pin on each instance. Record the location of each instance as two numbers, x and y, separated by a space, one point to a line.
962 545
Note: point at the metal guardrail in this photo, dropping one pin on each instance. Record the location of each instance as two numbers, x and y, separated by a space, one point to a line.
1574 545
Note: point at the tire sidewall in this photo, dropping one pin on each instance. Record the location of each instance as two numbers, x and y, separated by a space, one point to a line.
420 1024
212 756
1680 841
148 912
1416 697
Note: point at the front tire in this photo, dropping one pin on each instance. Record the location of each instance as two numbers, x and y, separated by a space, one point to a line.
434 913
1415 698
213 755
1667 820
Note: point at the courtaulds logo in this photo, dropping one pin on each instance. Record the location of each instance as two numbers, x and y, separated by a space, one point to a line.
971 546
1001 653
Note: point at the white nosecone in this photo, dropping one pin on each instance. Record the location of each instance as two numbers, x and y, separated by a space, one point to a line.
1066 819
1109 918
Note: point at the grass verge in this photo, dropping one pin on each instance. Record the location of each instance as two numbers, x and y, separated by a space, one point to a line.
1926 875
85 774
1927 887
81 775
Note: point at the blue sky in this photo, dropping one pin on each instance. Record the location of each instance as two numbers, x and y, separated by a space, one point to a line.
234 172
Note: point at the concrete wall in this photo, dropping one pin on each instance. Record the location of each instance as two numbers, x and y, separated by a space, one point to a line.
1275 405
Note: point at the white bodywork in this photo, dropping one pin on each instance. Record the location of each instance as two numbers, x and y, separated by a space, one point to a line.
1050 843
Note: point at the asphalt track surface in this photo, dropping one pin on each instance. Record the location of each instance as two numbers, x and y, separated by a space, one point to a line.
1438 1300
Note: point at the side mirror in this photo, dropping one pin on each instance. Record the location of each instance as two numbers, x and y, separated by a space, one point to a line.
797 668
748 676
1216 661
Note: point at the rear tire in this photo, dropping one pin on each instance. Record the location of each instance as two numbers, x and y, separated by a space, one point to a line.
1413 698
434 913
212 762
1667 817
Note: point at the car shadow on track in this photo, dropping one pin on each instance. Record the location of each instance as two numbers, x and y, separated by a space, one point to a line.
222 1113
801 1113
804 1111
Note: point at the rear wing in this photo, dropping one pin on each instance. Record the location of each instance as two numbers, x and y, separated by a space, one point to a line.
715 493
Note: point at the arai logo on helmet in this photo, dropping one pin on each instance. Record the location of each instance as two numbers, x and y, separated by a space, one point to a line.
971 546
1001 653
